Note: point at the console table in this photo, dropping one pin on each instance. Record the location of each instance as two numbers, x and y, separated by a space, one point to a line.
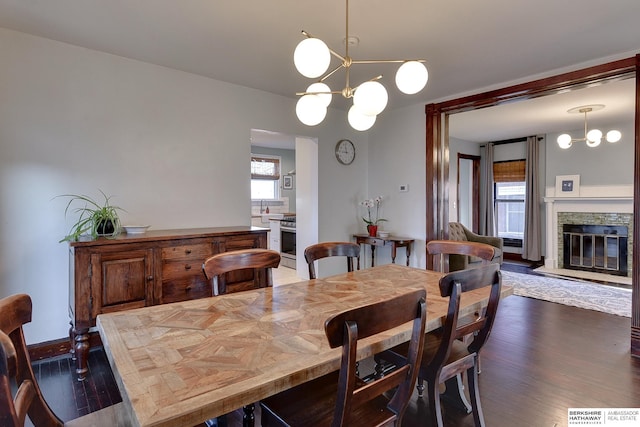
394 241
139 270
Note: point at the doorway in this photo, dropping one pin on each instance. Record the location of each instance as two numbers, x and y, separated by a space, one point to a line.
304 183
468 203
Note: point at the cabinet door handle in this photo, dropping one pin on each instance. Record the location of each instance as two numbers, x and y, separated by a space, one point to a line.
187 251
187 267
149 278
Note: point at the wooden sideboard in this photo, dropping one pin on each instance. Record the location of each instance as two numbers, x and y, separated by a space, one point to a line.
138 270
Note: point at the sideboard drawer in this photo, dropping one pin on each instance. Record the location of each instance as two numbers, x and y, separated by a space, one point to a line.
185 288
199 251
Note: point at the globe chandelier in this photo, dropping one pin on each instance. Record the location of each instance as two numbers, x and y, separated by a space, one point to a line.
591 137
312 58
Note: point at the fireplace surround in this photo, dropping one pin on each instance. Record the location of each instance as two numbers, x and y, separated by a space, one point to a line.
591 208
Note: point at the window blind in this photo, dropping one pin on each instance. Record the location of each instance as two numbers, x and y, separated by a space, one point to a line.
509 171
266 168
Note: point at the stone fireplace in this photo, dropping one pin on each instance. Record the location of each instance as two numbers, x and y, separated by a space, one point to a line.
591 232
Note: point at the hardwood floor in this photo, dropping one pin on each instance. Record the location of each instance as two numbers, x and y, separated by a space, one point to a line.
541 359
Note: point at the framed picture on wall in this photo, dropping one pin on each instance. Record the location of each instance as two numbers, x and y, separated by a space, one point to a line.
287 182
567 185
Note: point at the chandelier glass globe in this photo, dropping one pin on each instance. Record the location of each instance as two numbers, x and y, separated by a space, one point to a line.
412 77
564 141
321 87
312 57
311 110
370 98
614 136
594 136
358 120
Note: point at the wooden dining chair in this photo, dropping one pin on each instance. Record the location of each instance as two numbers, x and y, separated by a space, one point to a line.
330 249
15 369
260 260
341 398
445 355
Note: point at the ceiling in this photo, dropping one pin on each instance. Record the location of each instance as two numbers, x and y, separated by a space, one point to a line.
469 45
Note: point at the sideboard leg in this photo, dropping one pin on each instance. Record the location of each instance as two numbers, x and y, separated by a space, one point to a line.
81 352
72 341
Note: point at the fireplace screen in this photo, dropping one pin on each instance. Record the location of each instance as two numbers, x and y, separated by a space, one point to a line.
595 248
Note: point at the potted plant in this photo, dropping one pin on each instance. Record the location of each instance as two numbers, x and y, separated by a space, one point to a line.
95 219
372 221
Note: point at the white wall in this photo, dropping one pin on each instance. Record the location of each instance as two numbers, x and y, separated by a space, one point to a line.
397 155
171 147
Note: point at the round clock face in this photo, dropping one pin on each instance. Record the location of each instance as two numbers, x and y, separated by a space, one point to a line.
345 151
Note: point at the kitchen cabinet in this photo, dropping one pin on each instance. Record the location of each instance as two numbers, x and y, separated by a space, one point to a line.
138 270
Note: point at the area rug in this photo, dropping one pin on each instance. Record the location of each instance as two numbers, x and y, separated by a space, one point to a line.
583 294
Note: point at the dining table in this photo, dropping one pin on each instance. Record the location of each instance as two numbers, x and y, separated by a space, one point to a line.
183 363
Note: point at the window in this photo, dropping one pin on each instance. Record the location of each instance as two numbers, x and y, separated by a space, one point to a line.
265 177
509 193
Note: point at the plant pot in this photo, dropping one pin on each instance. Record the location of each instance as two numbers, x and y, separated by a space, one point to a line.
373 230
105 228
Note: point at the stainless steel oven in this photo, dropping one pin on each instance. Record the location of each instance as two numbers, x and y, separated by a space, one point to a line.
288 241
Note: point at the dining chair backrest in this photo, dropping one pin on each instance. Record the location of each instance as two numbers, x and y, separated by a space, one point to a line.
260 260
331 249
453 285
20 394
346 328
15 365
441 248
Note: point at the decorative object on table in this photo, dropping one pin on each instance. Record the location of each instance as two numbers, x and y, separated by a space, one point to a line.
312 58
345 152
372 221
135 229
383 234
95 219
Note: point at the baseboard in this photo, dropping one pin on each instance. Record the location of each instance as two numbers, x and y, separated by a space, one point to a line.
59 347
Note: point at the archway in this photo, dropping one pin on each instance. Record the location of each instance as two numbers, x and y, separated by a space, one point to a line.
437 150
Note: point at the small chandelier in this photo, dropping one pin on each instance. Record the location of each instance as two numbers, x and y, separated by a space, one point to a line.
591 137
312 58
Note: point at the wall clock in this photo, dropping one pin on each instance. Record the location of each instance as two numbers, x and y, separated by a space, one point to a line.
345 152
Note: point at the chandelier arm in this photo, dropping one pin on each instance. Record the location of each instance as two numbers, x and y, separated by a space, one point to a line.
384 61
330 73
585 126
333 92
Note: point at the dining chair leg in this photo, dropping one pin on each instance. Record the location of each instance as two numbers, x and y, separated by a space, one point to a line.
420 386
474 394
435 413
248 416
454 394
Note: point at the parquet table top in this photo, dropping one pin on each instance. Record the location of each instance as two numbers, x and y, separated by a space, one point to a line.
183 363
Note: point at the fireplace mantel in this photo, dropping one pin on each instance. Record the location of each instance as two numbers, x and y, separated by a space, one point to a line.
591 199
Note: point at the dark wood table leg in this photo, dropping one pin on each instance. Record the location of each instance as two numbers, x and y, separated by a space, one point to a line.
373 255
454 394
408 251
248 418
393 252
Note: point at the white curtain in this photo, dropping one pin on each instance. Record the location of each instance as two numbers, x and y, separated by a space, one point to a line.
532 230
487 225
